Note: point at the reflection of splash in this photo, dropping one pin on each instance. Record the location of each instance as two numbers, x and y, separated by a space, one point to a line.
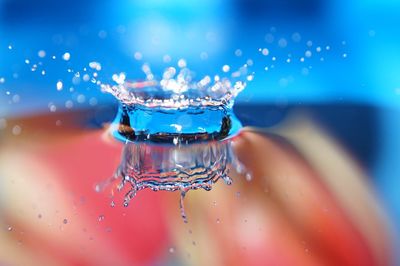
174 167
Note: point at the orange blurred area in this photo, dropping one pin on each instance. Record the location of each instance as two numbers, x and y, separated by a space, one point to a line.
301 207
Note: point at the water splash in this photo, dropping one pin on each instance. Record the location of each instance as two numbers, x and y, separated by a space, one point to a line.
177 132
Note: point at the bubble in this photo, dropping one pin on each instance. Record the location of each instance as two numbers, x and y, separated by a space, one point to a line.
27 61
308 53
344 55
101 218
171 250
2 80
10 228
66 56
309 43
318 49
59 85
65 221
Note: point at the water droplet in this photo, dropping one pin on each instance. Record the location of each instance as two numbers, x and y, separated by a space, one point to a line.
101 218
65 221
9 228
226 68
95 65
265 51
42 53
171 250
248 177
138 56
296 37
282 43
81 98
182 63
16 130
238 52
59 85
39 216
66 56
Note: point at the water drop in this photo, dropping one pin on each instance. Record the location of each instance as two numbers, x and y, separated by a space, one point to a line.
138 56
66 56
182 63
248 177
226 68
65 221
16 130
101 218
265 51
171 250
59 85
42 53
238 52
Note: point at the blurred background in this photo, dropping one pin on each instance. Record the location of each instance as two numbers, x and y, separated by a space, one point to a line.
330 68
